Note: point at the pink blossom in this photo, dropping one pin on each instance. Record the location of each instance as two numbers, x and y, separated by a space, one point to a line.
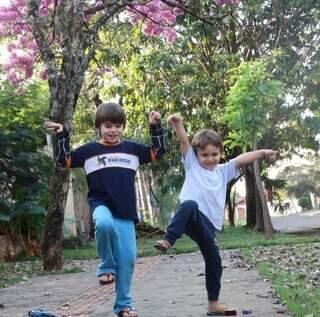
160 17
87 17
23 40
223 2
32 46
17 29
28 72
44 11
13 78
152 29
168 16
156 17
11 47
25 60
171 36
6 67
177 11
20 3
43 74
8 16
3 30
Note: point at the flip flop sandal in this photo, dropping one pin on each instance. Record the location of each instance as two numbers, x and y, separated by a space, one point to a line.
127 312
109 281
227 312
162 245
39 312
212 313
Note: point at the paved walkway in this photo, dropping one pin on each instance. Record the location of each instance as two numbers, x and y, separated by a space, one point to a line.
163 286
301 222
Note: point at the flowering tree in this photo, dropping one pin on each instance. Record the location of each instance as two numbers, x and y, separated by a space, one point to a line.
60 39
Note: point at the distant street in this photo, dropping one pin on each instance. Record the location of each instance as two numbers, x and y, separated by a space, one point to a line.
298 223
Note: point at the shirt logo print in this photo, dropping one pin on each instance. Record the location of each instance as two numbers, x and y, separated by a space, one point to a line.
109 160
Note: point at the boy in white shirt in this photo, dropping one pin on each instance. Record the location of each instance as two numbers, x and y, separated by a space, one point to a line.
202 199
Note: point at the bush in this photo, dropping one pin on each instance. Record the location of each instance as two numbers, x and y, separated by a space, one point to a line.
304 202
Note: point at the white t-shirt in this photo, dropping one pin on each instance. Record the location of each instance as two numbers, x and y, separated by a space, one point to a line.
207 188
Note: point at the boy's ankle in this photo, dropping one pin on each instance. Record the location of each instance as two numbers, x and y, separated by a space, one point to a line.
213 305
168 243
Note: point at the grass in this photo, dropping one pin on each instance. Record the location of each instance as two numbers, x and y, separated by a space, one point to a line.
239 238
301 301
231 238
87 252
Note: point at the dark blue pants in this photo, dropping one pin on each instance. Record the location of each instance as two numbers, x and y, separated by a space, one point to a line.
189 220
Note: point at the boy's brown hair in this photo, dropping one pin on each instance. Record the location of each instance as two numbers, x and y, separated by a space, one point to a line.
110 111
206 137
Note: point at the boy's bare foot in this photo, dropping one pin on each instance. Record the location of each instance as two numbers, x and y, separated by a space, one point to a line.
216 309
162 245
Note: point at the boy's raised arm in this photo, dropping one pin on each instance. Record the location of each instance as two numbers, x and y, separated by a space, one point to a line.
175 121
157 135
62 150
249 157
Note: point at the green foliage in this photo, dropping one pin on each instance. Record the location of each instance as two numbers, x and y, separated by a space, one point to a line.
302 181
24 168
250 102
304 202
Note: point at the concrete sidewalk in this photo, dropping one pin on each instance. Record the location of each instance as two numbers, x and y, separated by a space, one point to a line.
163 286
302 222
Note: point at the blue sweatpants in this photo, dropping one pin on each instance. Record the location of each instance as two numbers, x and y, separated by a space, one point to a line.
116 247
189 220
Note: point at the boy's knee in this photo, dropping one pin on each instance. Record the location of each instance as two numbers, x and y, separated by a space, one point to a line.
103 225
190 205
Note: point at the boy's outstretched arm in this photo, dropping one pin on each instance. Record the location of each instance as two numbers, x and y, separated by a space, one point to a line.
175 121
157 135
249 157
62 150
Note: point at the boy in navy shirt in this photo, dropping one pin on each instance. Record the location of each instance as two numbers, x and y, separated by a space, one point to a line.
110 165
202 198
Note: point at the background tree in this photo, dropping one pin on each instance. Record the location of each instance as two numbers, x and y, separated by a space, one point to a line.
24 168
303 182
250 103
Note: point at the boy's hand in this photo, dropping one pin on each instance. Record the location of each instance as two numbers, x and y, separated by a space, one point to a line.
154 117
174 119
270 155
53 127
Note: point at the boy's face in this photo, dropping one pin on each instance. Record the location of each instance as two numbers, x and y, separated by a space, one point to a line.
111 132
209 157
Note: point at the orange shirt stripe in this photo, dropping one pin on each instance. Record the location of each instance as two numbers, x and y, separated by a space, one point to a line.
153 155
68 161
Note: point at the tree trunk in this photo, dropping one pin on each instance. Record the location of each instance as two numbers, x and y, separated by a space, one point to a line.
146 190
230 204
141 197
65 78
250 196
81 212
268 228
259 210
52 248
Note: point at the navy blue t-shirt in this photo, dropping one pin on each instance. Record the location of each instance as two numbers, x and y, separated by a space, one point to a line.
110 170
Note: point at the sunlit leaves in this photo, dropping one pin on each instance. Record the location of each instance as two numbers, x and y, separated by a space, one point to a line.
250 101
